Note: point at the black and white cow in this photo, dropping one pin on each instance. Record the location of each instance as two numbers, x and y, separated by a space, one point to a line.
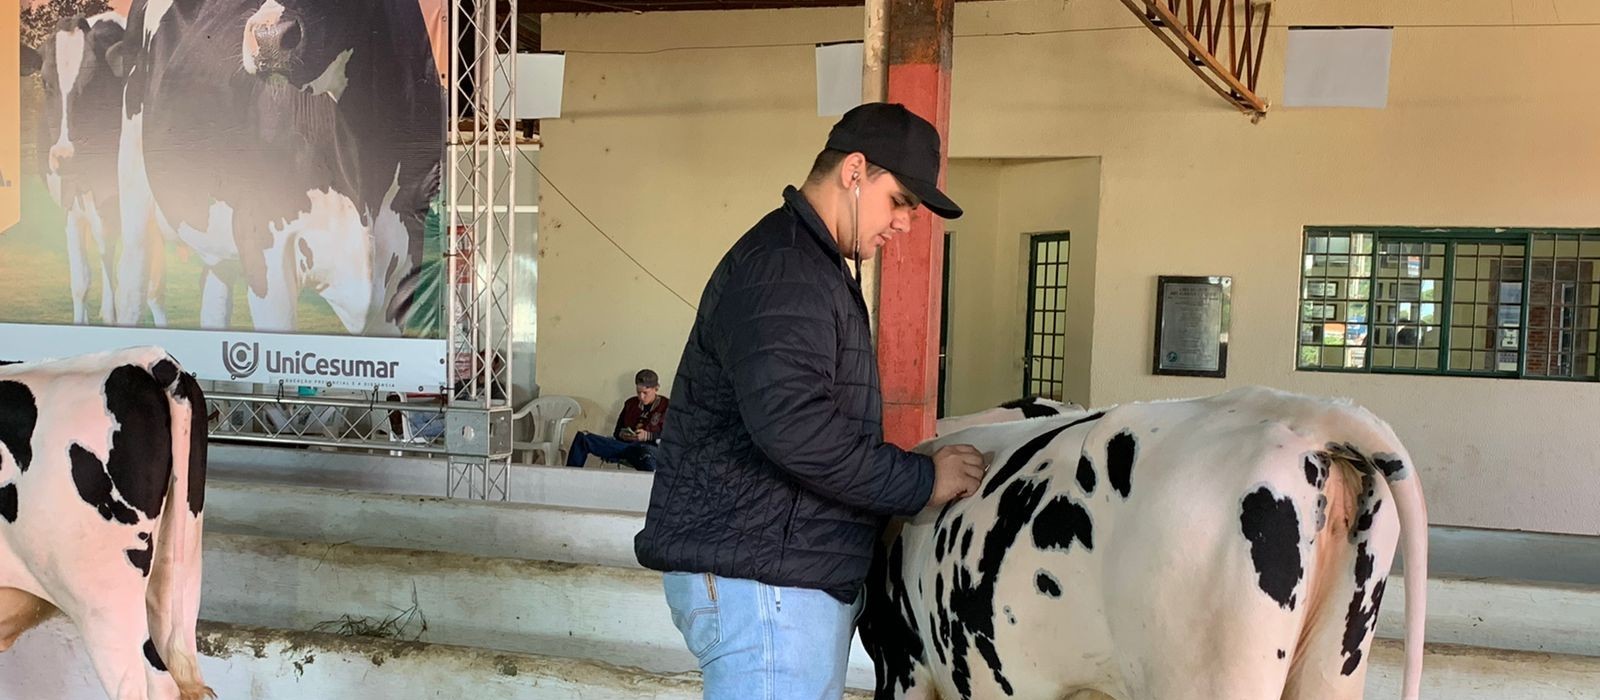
77 150
102 492
1021 409
306 149
1235 546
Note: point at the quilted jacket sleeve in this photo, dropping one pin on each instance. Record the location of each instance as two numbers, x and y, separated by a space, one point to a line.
779 343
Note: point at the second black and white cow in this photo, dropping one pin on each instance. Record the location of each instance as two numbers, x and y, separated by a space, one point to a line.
102 494
1232 547
307 150
79 122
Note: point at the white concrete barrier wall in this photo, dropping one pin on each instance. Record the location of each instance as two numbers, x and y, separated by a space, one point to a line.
516 530
1552 617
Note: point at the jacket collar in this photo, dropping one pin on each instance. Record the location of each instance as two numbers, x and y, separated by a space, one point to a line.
813 222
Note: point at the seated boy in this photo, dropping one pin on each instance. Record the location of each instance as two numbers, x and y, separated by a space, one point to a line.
638 433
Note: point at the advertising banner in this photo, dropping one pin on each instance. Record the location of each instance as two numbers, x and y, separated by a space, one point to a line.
258 175
10 123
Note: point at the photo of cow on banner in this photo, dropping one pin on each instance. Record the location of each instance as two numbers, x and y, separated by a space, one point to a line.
226 165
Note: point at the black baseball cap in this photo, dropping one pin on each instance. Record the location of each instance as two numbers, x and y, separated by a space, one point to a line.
893 138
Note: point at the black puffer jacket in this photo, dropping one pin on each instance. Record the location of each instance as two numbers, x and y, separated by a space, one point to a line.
774 466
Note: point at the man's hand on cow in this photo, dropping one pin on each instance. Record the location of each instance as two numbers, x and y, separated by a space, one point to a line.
957 472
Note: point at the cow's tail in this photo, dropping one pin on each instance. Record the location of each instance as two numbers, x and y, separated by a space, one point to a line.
1371 461
173 597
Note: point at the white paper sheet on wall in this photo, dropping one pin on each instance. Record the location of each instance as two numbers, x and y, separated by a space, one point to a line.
1337 67
540 79
838 78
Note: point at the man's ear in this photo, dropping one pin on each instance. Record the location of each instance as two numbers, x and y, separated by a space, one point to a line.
852 170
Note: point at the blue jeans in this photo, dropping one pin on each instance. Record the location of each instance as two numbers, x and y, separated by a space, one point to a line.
639 456
761 642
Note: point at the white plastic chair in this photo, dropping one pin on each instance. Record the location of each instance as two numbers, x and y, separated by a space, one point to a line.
549 416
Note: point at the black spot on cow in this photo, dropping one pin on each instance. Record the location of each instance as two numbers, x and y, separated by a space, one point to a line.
140 462
8 502
1389 465
1026 453
1274 533
972 603
888 627
19 415
1030 407
938 544
986 649
153 657
1059 523
1047 584
1313 472
1360 620
94 486
1322 516
140 558
966 542
165 372
198 443
1010 617
1364 522
1120 453
1086 478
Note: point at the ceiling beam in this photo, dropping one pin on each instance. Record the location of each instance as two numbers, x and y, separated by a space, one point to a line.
1196 37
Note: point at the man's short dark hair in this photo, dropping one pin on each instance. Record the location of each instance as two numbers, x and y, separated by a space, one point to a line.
646 378
829 159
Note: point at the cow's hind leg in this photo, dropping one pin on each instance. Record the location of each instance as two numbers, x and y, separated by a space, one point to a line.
20 611
117 636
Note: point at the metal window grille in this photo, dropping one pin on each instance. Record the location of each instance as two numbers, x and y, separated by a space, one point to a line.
1044 359
1474 302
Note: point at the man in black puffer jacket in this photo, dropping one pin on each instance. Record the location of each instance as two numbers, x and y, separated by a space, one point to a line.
775 480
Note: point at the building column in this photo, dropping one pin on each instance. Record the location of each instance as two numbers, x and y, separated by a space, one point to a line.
920 34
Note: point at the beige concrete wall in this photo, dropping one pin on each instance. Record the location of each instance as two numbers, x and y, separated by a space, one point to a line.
1490 122
1006 203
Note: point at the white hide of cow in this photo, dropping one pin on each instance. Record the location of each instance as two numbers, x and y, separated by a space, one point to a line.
1231 547
101 511
1021 409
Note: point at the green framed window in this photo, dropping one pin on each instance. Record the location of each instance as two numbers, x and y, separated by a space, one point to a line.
1044 362
1518 303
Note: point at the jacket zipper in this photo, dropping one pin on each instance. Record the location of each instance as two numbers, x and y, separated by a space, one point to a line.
711 587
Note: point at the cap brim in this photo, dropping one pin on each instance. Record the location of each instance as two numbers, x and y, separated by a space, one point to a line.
932 198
